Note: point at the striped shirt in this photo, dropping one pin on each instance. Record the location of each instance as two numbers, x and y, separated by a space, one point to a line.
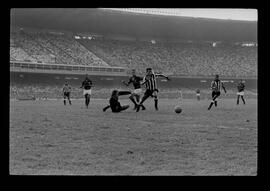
66 88
150 82
216 85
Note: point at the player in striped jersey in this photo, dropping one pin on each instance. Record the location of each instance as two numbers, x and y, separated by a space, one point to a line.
66 92
240 93
151 87
215 86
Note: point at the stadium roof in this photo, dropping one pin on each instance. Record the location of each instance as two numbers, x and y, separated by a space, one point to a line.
104 21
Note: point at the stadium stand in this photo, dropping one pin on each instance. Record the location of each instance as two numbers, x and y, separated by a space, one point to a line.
192 59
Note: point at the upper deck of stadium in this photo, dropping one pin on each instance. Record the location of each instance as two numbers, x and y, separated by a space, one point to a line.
103 21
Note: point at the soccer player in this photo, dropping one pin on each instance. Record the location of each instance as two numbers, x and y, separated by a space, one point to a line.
215 86
136 81
87 85
198 94
151 87
114 103
66 92
240 93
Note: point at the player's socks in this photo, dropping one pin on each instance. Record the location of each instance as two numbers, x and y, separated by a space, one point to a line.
210 105
237 100
156 103
243 100
143 108
133 100
105 108
64 102
215 103
69 102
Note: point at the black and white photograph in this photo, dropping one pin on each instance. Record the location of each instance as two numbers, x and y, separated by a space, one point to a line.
133 92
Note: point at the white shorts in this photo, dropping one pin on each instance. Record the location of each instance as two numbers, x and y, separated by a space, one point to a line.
198 94
137 91
87 92
240 93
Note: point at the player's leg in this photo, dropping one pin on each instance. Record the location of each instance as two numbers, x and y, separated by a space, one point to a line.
124 107
138 93
131 97
145 96
155 99
68 96
213 100
64 98
242 97
107 107
238 96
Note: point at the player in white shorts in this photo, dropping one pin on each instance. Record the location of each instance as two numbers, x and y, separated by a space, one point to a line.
240 93
137 92
87 85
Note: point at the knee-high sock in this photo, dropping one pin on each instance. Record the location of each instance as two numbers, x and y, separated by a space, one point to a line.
64 101
212 102
238 99
243 99
156 103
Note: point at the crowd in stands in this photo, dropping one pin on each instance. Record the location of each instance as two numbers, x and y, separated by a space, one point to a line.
181 59
51 48
177 58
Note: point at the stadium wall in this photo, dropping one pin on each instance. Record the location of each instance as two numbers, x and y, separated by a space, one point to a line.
113 81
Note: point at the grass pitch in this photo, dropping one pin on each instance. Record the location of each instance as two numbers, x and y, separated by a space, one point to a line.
48 138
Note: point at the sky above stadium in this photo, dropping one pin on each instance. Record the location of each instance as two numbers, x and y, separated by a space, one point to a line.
232 14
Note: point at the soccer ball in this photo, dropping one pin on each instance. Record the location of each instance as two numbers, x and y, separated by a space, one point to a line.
177 109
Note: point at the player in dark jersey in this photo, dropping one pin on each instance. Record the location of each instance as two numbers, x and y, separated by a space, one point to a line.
240 93
151 87
114 103
215 86
66 92
198 94
87 85
136 81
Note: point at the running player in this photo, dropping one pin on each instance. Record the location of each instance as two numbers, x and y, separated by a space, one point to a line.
215 86
66 92
240 93
87 85
151 87
114 103
136 81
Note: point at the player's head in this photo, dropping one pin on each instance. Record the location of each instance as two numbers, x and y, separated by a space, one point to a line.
149 71
86 76
114 93
216 77
66 82
241 81
133 72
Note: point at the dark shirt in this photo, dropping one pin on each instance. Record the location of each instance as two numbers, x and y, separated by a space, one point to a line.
135 80
241 87
87 84
114 103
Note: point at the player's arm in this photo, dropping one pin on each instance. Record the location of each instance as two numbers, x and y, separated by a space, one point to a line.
107 107
143 81
126 83
162 75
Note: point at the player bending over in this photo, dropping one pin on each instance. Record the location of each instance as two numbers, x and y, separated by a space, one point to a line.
136 81
87 85
66 92
240 93
151 87
215 86
114 103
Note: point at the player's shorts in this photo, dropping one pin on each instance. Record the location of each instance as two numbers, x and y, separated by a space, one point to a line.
198 94
240 93
137 91
87 92
151 93
66 94
215 94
